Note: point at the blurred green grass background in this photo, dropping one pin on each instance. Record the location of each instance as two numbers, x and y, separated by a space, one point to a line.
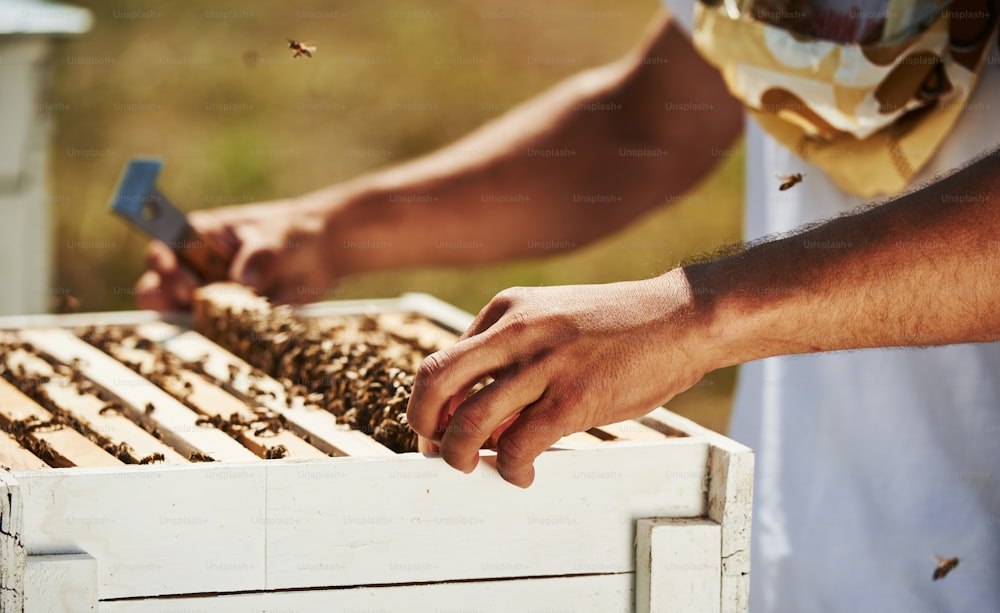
211 88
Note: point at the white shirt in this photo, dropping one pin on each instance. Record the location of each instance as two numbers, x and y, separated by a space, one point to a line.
870 462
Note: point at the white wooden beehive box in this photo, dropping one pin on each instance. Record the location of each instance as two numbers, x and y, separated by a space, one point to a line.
646 515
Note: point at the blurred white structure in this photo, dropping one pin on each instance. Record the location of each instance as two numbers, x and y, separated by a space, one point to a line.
27 31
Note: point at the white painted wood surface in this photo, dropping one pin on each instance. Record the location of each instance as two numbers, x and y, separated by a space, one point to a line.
358 521
355 521
60 583
678 566
25 234
416 519
25 240
730 504
153 529
12 554
75 320
580 594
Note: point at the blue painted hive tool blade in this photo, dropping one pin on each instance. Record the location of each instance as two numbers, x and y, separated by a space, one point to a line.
139 202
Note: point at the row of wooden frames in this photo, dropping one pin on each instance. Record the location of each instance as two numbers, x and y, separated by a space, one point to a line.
96 411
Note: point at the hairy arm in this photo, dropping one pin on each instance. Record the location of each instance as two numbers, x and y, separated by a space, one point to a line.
923 269
625 131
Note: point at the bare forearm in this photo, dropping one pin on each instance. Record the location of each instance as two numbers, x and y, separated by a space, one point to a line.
923 269
509 183
569 166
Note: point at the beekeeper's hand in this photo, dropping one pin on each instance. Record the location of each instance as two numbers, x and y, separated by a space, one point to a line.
564 359
278 251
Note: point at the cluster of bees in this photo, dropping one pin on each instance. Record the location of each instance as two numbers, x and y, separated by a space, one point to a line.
165 372
360 374
33 386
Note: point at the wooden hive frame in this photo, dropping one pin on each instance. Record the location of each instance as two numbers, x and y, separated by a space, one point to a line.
648 515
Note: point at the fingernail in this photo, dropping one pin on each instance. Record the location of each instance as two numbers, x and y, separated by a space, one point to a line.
473 463
522 478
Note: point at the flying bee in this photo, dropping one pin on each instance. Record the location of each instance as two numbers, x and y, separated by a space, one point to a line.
65 303
301 48
789 181
944 566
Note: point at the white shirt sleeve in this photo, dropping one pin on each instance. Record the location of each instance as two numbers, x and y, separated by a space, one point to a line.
682 11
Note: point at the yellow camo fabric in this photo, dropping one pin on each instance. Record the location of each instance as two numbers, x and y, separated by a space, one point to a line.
870 116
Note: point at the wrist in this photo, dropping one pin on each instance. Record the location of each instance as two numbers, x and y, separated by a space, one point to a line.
355 235
743 318
685 319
